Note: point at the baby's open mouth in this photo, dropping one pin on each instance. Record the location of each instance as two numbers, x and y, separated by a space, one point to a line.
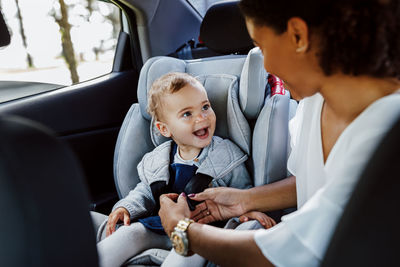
202 133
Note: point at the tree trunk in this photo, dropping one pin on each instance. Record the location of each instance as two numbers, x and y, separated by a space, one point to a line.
22 31
90 7
67 47
114 18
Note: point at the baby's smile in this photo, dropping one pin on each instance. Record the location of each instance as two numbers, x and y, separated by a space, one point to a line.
202 133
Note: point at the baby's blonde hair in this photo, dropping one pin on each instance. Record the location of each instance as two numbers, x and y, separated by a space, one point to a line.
166 84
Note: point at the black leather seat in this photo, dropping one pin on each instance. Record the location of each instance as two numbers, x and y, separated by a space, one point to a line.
368 233
43 200
222 32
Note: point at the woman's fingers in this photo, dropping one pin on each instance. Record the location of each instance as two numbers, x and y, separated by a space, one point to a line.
202 214
181 199
167 199
206 194
171 212
198 212
206 219
172 196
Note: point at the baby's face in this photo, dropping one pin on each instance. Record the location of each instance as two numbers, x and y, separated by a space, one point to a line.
188 118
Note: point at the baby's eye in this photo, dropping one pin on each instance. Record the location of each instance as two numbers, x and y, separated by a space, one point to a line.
186 114
206 107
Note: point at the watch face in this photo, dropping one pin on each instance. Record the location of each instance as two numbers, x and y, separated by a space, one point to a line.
177 243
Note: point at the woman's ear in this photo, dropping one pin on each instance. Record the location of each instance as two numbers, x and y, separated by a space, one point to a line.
162 128
298 32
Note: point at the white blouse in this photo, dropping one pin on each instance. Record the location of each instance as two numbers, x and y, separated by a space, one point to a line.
323 189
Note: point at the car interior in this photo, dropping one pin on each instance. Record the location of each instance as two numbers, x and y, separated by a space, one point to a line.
69 150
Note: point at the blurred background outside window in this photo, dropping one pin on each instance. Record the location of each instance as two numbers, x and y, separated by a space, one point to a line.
58 41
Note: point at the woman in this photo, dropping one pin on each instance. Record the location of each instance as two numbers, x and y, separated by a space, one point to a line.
342 60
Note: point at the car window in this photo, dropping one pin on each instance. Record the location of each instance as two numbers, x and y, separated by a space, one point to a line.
58 42
201 6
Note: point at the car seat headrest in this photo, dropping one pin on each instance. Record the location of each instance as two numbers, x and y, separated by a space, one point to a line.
224 31
153 69
253 81
4 34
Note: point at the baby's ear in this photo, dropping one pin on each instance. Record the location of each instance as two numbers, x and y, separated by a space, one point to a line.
162 128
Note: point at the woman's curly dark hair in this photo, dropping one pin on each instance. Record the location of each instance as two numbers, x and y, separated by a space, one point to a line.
357 37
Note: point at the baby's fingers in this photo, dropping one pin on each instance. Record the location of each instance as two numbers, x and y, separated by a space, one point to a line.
198 210
110 228
262 218
243 218
127 219
271 222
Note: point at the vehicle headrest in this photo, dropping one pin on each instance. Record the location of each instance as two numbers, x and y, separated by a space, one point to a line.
4 34
253 81
224 31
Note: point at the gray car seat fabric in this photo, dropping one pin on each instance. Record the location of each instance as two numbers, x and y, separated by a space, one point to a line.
271 139
41 185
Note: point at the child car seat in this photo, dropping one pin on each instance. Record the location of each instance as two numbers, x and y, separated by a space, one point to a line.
236 86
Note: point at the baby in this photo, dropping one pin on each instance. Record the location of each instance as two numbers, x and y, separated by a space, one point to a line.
180 109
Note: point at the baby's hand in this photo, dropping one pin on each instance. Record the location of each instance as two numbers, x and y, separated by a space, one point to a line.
120 214
262 218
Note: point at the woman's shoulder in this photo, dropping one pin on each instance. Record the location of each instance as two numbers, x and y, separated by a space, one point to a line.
384 110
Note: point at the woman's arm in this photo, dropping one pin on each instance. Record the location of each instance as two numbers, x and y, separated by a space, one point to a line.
274 196
225 203
221 246
225 247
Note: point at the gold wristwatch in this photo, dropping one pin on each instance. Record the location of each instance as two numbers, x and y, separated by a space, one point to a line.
179 238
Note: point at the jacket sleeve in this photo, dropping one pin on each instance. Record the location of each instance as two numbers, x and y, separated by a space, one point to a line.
139 202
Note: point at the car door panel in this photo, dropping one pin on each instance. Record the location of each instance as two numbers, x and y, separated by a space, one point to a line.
88 117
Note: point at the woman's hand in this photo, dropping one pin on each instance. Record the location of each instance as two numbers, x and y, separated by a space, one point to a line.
171 212
219 204
262 218
120 214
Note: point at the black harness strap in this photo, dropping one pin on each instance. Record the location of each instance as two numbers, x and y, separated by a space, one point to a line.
197 184
157 189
